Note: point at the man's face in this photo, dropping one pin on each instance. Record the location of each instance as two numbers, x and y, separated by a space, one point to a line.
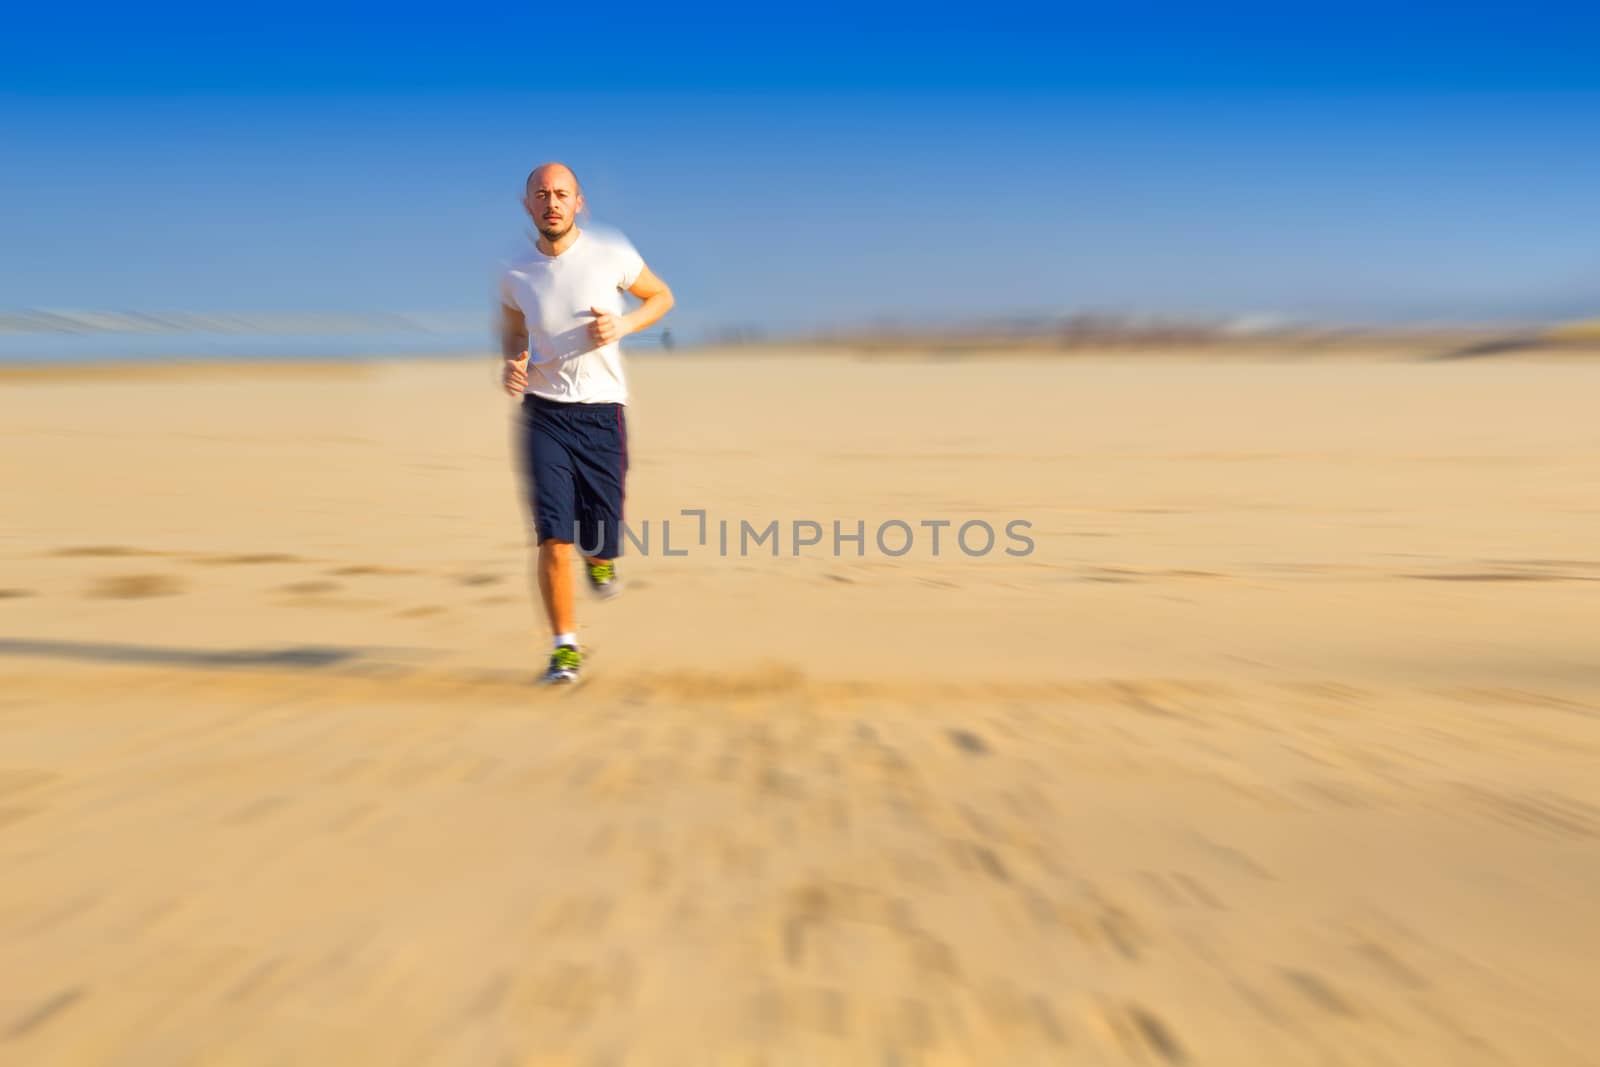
553 201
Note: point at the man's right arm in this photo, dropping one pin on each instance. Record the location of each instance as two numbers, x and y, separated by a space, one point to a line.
513 349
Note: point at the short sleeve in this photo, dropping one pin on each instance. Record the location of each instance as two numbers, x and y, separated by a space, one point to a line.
507 297
631 265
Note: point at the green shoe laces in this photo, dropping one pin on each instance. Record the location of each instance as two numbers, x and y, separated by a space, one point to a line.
565 658
601 572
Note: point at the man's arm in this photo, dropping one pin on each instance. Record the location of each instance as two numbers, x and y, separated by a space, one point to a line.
513 332
657 301
513 349
657 298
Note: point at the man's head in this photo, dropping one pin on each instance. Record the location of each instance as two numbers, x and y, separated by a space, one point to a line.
553 199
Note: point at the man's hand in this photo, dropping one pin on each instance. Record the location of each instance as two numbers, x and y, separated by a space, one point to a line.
607 328
515 377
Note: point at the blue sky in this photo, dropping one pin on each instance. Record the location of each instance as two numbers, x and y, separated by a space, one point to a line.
814 168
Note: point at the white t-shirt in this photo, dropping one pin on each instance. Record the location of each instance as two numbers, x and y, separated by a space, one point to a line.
555 294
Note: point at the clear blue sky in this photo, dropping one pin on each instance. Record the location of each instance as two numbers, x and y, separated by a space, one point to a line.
814 166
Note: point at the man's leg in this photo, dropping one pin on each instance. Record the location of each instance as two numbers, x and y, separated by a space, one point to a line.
552 491
600 473
555 588
555 585
597 534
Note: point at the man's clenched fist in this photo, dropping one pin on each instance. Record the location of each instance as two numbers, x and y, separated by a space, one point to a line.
606 327
515 377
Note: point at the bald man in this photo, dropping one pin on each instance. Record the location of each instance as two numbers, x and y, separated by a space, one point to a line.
561 318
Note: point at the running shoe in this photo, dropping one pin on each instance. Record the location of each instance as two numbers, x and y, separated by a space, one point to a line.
564 664
603 579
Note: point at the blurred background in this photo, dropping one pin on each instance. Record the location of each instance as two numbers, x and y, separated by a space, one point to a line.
202 180
1276 325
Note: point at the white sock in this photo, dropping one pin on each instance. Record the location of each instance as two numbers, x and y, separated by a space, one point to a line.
567 639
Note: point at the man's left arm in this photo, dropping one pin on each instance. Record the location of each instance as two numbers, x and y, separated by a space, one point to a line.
657 298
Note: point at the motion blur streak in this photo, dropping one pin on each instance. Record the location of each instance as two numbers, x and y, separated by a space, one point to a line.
1278 748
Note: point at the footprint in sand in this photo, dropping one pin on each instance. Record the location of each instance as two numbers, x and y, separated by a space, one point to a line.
135 586
370 569
310 588
101 552
967 741
1499 576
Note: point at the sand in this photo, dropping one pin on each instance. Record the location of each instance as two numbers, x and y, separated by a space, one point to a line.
1279 748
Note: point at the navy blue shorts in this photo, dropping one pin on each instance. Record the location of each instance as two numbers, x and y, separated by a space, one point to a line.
575 457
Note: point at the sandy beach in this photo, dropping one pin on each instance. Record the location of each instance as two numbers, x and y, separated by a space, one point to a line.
1279 747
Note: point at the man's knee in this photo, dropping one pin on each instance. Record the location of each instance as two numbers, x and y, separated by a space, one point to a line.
555 548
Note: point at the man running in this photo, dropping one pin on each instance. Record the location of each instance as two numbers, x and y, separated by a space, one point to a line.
561 317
